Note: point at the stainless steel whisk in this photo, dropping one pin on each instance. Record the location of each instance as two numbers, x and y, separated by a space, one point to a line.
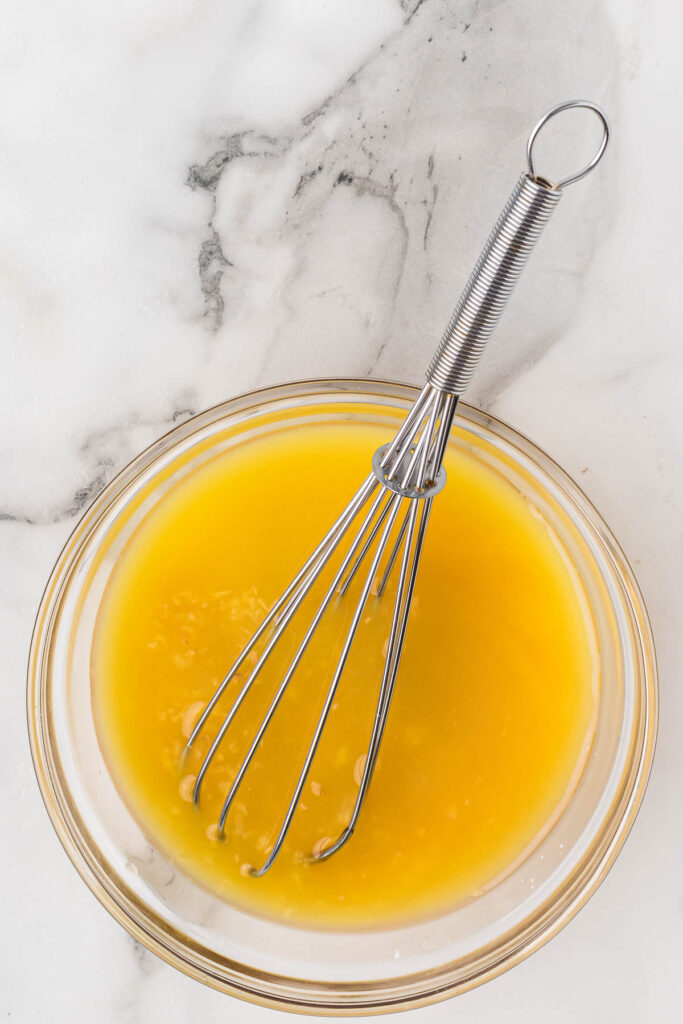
398 493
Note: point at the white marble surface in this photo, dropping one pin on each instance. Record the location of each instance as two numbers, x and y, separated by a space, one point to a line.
197 197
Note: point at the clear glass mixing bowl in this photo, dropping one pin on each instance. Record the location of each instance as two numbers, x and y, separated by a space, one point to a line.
341 972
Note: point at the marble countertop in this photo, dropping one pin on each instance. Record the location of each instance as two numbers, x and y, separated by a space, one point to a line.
201 197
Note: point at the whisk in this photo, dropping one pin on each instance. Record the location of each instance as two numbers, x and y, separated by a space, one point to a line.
387 518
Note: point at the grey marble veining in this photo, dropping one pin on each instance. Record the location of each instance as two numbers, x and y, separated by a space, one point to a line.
369 168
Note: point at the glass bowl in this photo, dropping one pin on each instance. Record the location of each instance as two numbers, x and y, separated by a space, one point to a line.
301 969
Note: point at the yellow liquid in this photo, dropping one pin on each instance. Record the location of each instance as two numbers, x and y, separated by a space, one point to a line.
490 723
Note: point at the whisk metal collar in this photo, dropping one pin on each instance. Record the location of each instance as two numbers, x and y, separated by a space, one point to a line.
427 490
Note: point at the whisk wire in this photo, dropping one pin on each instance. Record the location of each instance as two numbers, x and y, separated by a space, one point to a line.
402 605
284 609
394 554
344 586
406 433
292 666
399 624
392 505
400 446
387 511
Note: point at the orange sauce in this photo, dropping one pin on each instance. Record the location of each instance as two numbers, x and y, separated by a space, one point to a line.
491 720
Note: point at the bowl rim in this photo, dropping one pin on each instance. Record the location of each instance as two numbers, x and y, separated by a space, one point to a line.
412 991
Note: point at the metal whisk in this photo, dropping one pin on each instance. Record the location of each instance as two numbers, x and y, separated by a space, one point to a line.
396 498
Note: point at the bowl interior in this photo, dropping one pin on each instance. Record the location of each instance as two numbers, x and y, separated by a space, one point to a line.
301 968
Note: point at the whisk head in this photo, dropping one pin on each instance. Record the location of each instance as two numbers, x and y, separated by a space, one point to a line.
384 525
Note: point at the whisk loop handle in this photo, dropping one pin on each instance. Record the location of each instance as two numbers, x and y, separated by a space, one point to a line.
502 260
